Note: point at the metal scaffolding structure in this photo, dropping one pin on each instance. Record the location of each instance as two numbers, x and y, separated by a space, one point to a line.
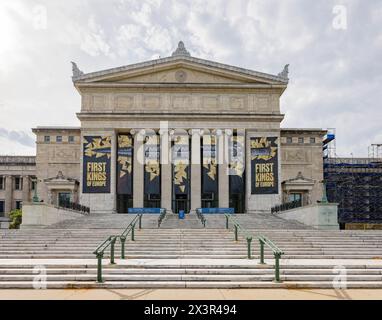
356 185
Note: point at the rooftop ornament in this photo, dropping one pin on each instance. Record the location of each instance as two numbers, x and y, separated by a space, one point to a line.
285 72
181 50
76 71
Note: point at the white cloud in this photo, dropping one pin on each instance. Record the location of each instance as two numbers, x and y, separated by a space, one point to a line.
335 76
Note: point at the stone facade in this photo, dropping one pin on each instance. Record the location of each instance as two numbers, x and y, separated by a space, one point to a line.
17 174
179 93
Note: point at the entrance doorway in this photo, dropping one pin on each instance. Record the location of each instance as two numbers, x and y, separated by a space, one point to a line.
181 202
63 198
124 201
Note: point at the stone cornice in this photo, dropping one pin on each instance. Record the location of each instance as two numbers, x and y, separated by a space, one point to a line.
221 116
245 86
99 75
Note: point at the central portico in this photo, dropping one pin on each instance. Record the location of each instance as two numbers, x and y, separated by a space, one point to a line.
180 133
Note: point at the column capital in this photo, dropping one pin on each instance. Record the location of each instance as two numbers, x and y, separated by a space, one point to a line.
196 131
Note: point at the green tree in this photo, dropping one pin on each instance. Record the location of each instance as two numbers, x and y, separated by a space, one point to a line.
16 218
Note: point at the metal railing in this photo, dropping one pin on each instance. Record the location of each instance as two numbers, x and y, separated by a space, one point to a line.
201 217
263 241
287 206
75 206
277 253
161 217
110 242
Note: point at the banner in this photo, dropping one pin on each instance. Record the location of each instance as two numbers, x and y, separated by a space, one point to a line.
96 164
152 165
236 164
125 164
210 167
181 161
264 165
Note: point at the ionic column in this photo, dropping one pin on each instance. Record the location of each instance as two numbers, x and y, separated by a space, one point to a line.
8 194
222 152
26 189
166 176
138 182
196 178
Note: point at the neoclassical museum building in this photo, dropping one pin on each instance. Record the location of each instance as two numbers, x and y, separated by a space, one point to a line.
178 133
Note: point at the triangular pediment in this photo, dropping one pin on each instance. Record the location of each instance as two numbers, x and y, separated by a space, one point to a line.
180 70
180 75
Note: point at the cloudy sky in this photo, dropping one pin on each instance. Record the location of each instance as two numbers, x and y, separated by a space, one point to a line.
334 49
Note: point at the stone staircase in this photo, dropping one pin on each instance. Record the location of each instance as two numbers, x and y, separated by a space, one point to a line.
189 256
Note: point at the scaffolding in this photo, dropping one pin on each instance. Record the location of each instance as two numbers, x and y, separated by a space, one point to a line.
356 185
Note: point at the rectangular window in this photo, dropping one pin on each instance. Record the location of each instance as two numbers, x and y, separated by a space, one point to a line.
47 139
19 204
18 183
300 139
289 139
71 139
312 140
2 208
2 184
58 138
33 185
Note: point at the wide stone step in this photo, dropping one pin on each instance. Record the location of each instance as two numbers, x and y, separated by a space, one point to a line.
188 284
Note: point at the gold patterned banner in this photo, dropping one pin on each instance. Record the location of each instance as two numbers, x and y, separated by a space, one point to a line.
264 165
236 163
181 160
210 167
125 164
152 165
96 164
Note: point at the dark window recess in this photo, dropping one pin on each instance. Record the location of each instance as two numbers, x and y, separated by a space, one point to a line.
46 138
59 139
71 139
2 184
2 208
18 183
289 139
312 140
19 204
301 140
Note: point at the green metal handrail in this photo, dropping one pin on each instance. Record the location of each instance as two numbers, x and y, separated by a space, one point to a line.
238 227
277 253
161 217
263 241
110 242
201 217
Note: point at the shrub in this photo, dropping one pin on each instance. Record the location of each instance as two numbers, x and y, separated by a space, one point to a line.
16 218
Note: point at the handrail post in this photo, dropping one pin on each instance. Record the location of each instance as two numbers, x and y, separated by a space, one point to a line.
261 252
236 233
99 267
226 222
140 222
277 267
132 232
123 240
112 243
249 240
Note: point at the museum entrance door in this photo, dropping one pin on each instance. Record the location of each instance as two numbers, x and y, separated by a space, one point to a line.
181 202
